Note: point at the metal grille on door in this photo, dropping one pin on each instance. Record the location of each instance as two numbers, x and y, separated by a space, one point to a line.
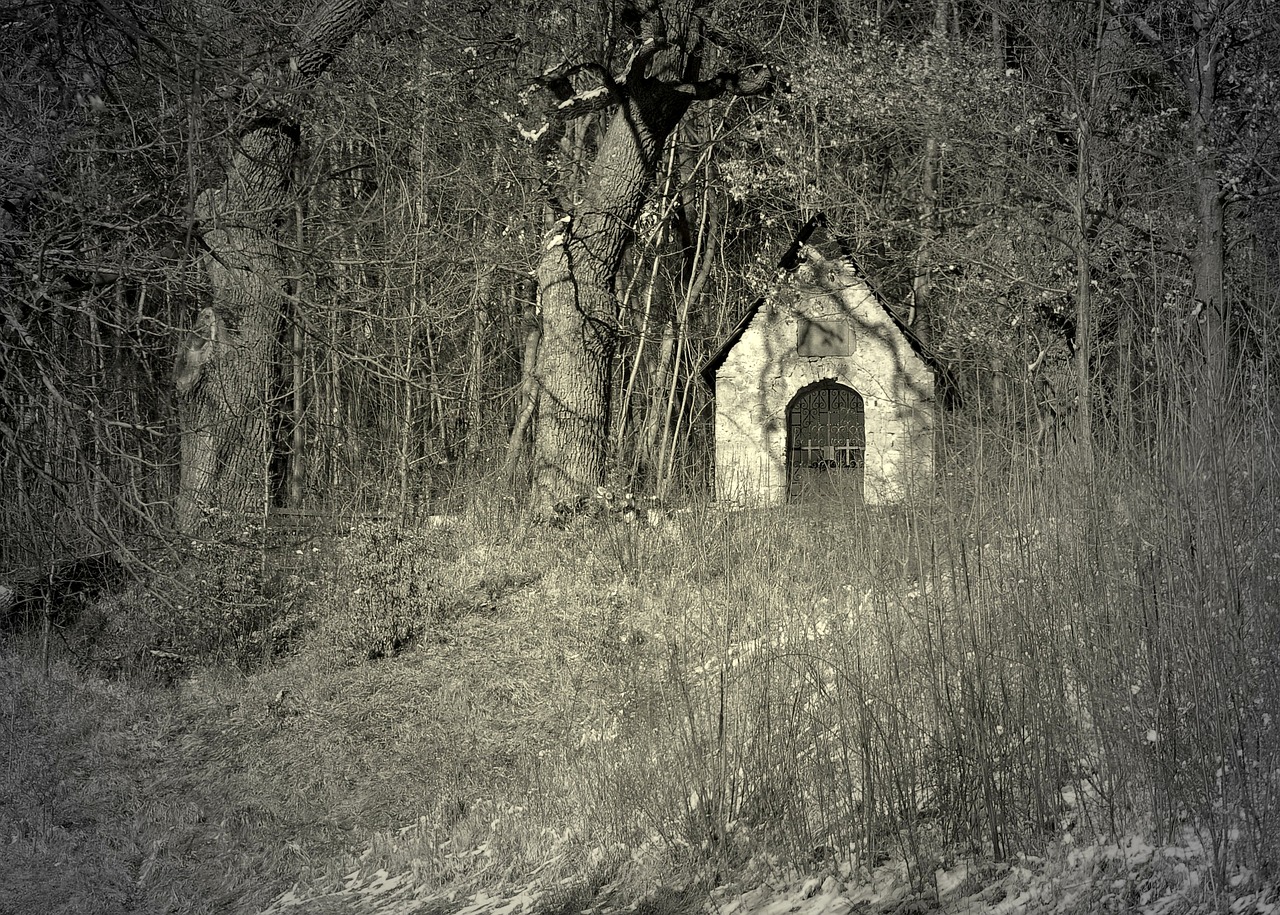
826 438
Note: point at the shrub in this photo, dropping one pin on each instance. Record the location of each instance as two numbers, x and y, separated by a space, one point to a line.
380 592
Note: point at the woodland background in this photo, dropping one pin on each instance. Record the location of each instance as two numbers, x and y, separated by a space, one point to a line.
1072 204
277 286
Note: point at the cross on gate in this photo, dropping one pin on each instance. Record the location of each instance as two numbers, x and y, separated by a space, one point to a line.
831 455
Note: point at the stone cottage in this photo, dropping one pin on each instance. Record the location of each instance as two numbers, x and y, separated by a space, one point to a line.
821 392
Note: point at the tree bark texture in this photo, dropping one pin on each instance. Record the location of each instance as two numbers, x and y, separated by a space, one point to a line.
224 435
528 381
1208 260
224 376
576 279
1197 66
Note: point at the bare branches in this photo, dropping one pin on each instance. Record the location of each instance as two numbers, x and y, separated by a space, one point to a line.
589 87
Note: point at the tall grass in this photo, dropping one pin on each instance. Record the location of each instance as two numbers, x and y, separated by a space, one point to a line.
1043 648
1043 651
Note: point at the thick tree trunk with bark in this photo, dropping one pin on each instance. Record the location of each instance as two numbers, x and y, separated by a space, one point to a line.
575 363
224 436
576 280
578 272
225 370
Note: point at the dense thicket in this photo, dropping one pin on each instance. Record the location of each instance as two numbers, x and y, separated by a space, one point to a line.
1071 206
375 261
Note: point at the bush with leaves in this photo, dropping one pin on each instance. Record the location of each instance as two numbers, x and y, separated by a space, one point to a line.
218 608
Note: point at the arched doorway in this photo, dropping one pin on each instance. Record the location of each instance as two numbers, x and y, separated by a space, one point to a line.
826 441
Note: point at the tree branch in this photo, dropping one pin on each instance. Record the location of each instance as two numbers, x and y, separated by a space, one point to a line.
755 80
326 30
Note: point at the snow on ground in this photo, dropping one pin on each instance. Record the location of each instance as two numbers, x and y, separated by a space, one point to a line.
1130 875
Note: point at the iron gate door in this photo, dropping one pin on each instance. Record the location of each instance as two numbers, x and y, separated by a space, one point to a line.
826 441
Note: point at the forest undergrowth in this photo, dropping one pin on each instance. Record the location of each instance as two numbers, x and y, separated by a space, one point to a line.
987 695
327 268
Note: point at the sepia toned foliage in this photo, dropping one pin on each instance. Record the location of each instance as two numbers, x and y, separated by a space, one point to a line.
307 317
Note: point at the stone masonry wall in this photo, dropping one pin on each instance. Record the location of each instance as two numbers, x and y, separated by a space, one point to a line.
763 373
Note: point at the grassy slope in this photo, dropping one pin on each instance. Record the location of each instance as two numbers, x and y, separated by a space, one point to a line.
588 714
226 788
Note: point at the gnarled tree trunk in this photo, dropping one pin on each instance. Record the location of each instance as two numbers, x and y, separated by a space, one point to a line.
578 272
225 369
576 279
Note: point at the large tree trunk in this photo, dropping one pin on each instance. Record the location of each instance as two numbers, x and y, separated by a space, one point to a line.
224 435
224 372
578 270
576 288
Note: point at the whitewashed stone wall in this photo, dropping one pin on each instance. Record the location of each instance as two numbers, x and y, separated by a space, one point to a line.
763 372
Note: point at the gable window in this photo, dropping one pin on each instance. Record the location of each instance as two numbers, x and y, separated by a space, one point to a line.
824 337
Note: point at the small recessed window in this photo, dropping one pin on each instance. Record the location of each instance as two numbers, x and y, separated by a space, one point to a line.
824 337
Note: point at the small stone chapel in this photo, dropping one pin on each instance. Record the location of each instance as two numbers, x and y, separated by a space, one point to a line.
821 393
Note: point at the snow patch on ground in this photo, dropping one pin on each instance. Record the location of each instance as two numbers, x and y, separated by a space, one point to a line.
1131 874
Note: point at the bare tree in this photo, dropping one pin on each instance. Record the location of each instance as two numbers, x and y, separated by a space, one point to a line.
581 258
1196 41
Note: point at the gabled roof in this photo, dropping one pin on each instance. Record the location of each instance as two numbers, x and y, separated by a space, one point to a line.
793 259
712 365
790 260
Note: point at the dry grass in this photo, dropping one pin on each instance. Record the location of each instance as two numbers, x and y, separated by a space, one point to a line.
573 717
